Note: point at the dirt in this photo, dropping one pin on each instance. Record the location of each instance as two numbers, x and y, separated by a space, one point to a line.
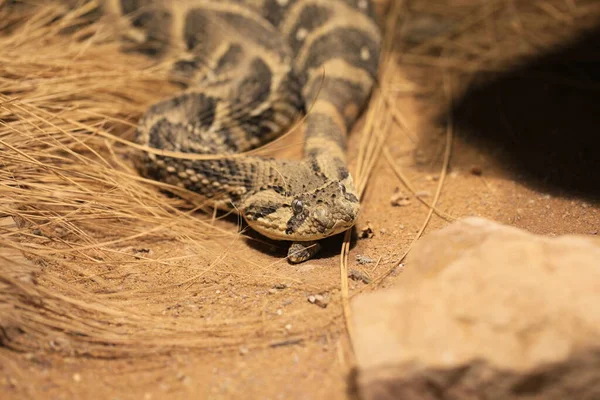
297 347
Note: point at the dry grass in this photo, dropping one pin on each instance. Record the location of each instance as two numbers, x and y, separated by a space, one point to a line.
85 221
84 218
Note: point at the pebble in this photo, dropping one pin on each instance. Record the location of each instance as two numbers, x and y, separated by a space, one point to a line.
357 275
319 300
399 199
476 170
364 259
367 231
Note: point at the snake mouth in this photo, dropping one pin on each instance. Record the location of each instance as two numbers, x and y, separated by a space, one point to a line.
277 234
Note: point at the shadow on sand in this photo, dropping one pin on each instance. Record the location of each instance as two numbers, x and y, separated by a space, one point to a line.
542 118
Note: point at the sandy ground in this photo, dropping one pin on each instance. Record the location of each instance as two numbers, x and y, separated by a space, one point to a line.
528 158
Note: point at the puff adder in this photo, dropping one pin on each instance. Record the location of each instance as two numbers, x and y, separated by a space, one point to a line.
251 68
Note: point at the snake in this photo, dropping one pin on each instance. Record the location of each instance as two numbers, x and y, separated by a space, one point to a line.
249 69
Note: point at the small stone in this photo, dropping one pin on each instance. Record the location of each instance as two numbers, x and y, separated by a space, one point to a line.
76 377
367 232
321 301
399 199
279 311
288 327
280 286
141 252
476 170
273 291
399 269
357 275
422 194
244 350
364 259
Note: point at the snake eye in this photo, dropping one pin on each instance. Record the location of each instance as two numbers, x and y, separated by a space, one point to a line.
297 206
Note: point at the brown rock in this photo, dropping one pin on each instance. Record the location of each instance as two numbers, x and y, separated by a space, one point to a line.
485 311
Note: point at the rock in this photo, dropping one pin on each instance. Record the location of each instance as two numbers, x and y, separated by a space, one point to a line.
485 311
399 199
366 232
319 299
364 259
357 275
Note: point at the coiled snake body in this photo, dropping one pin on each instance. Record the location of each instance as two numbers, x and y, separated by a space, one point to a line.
251 67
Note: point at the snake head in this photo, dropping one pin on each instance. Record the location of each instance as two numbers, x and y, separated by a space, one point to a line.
312 215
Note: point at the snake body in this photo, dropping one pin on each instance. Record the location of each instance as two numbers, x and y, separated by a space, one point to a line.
251 67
